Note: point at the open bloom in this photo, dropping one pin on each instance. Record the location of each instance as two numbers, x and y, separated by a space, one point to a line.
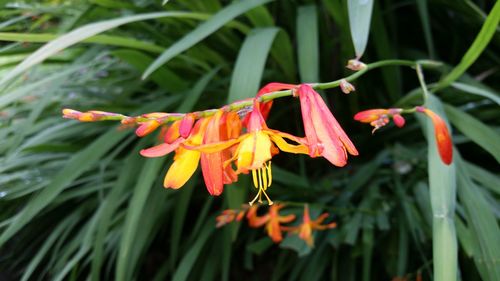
442 135
324 135
222 126
255 149
305 230
380 117
272 220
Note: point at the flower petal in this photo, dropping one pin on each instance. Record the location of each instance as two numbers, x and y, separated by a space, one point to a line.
254 151
185 164
161 149
443 138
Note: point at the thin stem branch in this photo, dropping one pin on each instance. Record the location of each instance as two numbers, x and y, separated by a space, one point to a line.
248 103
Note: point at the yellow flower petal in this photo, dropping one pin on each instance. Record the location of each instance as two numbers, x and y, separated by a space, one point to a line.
185 163
253 151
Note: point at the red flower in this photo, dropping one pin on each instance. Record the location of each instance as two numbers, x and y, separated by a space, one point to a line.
380 117
442 135
324 135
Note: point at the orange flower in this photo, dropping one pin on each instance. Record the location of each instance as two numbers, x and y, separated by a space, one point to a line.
185 160
442 135
306 228
255 149
272 220
324 134
220 128
230 215
380 117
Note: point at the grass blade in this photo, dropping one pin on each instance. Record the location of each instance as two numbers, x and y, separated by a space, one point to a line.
442 184
75 167
482 39
308 43
202 31
476 130
360 13
76 36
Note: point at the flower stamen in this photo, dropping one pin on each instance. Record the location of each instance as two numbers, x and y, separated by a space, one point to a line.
262 179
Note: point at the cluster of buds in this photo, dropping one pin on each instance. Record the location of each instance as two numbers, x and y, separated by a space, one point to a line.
380 117
228 143
274 222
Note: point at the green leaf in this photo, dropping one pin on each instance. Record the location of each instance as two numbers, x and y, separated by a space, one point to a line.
75 167
308 43
360 13
99 39
202 31
79 35
164 77
145 180
482 39
475 90
187 263
442 184
475 130
250 63
423 12
483 225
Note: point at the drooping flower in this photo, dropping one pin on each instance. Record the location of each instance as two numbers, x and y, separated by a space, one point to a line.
273 221
254 150
305 230
380 117
441 133
324 135
265 107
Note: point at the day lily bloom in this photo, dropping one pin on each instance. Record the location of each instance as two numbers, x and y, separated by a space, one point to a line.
272 220
306 228
255 149
324 135
442 135
380 117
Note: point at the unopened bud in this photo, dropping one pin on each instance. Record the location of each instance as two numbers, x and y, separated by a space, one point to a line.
346 87
355 65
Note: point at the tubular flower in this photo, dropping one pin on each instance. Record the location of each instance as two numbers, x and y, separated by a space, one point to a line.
255 148
272 220
185 160
306 228
380 117
214 172
324 135
265 107
442 135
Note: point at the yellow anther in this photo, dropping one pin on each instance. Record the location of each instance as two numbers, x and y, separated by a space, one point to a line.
262 179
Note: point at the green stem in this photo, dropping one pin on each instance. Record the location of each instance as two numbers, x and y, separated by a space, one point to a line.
248 103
